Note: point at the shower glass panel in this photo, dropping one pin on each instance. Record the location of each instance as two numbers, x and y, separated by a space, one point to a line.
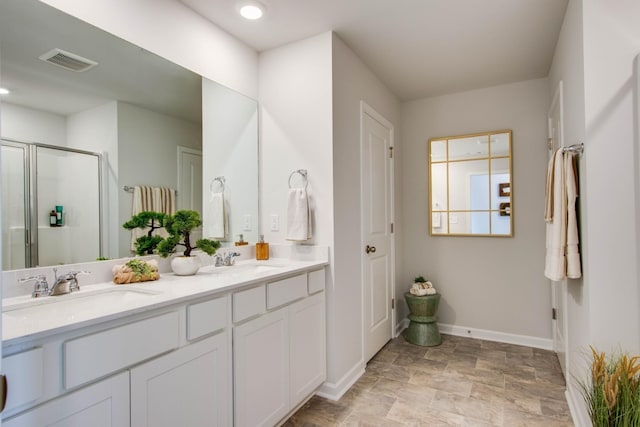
50 178
15 251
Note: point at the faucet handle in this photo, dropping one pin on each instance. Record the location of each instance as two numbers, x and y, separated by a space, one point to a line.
40 287
75 286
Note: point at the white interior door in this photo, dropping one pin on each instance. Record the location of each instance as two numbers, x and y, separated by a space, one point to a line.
190 183
558 289
377 219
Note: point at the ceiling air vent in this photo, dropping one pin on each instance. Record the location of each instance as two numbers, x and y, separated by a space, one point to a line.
67 60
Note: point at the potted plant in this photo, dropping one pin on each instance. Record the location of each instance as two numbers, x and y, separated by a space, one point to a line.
145 245
179 226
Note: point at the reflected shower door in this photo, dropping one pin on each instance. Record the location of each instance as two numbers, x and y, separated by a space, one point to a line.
71 180
15 196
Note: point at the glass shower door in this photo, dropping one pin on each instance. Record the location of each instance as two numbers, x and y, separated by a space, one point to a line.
15 197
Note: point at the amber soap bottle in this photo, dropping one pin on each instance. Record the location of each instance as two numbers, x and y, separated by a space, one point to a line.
262 250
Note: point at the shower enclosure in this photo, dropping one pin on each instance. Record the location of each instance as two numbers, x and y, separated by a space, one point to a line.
37 178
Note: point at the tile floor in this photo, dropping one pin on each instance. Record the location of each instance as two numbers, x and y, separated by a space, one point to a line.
462 382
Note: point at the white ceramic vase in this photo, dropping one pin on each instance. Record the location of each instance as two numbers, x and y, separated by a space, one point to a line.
185 265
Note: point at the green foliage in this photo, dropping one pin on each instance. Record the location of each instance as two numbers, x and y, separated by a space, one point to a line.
419 279
145 245
180 225
613 392
102 258
139 268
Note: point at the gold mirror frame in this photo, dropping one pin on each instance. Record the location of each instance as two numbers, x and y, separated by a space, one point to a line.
471 185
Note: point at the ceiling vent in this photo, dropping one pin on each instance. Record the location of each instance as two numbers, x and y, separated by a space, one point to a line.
67 60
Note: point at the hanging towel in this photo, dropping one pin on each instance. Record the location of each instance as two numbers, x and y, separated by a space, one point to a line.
548 209
574 270
218 226
157 199
298 215
555 261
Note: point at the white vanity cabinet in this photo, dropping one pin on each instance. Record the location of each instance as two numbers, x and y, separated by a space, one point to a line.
279 356
103 404
192 385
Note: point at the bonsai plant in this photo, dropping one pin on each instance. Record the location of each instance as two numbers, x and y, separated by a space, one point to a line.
180 226
145 245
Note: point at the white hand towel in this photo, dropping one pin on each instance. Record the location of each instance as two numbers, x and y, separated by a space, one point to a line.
555 261
574 270
217 228
298 215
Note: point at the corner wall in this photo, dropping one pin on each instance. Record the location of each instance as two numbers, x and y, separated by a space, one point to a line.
491 284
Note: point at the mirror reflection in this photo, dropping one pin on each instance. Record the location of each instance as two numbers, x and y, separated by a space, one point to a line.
470 184
142 113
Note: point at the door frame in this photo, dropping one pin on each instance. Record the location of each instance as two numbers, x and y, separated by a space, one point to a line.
561 286
366 109
182 150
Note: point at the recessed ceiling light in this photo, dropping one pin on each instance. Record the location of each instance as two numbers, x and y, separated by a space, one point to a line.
4 91
251 10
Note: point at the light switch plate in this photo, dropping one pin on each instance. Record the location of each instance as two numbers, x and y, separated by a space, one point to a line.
275 222
247 223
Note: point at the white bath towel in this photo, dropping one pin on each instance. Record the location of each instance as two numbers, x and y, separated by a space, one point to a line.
574 269
555 261
217 228
298 216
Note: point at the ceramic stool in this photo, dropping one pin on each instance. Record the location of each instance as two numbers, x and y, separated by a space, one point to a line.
423 329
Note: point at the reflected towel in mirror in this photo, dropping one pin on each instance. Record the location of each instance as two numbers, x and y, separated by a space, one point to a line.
218 226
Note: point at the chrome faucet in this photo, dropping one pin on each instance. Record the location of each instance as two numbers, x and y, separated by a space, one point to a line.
65 283
227 260
40 286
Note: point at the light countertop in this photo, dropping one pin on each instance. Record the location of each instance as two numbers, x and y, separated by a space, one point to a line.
25 318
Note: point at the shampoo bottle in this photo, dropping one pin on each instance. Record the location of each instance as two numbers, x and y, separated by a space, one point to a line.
262 249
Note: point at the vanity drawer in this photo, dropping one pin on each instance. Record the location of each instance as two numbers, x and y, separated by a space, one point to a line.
249 303
286 290
94 356
24 373
316 281
206 317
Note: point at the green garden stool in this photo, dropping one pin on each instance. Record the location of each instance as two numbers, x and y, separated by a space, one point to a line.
423 329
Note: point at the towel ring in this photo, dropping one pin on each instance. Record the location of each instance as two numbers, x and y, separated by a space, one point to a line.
221 182
301 172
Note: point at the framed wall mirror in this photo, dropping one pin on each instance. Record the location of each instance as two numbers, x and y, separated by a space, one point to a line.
470 185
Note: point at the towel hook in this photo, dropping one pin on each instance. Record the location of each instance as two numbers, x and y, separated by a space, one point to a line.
221 180
301 172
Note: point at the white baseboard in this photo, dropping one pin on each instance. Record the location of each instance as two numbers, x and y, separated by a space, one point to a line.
334 391
529 341
401 326
576 404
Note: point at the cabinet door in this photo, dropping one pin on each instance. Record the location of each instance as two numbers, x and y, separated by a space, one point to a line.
104 404
261 370
307 345
188 387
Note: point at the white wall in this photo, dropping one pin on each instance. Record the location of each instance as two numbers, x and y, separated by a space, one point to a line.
28 125
230 149
594 58
96 130
147 150
170 29
296 132
489 283
352 82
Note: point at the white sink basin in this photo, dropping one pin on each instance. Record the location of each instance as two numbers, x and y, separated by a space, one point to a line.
249 268
79 304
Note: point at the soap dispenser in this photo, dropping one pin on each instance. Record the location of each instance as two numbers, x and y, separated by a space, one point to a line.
262 249
241 241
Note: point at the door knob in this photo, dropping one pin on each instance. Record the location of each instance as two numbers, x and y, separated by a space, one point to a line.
370 249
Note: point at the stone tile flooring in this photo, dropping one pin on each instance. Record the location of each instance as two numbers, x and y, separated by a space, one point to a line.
462 382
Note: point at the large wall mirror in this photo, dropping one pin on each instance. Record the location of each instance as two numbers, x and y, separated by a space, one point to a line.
143 114
470 185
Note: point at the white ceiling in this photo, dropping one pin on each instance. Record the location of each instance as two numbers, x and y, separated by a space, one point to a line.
418 48
29 28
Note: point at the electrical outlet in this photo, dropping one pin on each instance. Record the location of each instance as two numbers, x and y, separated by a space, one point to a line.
247 223
275 222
